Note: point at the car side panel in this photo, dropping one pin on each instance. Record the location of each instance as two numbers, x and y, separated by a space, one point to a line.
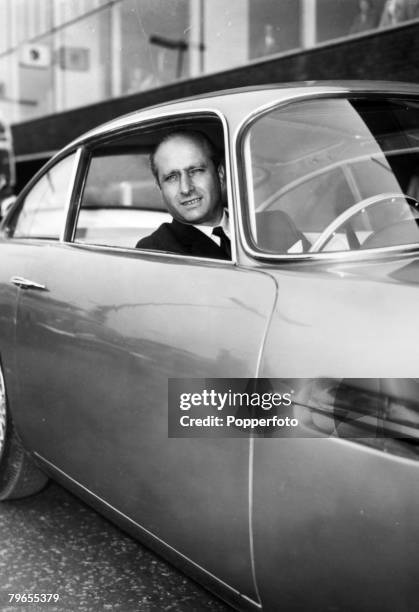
335 527
335 522
12 263
94 355
345 319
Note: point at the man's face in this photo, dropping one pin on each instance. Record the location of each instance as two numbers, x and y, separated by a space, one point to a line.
191 185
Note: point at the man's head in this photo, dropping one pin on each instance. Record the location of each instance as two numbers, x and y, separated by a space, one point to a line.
191 177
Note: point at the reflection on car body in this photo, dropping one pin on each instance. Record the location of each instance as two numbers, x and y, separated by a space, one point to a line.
321 289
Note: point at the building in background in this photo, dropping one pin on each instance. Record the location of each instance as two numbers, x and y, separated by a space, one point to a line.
68 65
57 55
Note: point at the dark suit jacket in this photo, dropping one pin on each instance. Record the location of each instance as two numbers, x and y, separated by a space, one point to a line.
182 239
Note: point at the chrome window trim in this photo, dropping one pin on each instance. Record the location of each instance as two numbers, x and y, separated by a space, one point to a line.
242 183
80 181
70 191
135 252
137 124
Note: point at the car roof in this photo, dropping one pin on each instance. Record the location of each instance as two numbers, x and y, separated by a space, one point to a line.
251 98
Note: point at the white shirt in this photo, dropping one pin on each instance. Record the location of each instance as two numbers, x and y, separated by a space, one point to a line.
224 223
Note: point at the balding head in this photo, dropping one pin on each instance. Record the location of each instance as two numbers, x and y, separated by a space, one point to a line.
191 177
195 135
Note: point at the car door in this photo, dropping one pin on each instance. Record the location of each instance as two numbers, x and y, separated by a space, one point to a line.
40 210
97 342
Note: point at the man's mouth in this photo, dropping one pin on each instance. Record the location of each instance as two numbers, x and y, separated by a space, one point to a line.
192 202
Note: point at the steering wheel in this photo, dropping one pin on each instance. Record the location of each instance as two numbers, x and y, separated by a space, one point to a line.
350 212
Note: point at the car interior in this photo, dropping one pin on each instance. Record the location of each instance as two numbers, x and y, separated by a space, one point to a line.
346 176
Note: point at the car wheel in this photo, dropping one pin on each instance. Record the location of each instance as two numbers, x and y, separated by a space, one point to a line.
19 476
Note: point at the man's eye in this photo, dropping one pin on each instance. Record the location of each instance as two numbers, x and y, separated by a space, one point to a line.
170 179
196 170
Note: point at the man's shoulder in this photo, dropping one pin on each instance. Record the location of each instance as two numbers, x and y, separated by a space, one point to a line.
181 239
155 239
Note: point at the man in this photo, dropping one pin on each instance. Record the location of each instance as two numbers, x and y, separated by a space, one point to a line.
191 177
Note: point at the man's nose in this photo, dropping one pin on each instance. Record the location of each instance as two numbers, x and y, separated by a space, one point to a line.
186 184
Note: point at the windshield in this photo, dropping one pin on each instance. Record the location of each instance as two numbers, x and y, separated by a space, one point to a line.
334 175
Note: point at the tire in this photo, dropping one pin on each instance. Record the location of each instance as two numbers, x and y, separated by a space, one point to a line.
19 476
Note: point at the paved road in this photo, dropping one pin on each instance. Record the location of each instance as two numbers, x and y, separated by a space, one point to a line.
53 543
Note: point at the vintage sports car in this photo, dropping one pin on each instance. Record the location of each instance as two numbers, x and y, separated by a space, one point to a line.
321 290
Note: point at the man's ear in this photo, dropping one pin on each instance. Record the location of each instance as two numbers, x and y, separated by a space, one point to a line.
222 178
223 184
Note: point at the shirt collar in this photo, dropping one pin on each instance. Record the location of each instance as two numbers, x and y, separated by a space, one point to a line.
224 223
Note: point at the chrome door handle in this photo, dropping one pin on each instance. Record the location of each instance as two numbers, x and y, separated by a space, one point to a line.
24 283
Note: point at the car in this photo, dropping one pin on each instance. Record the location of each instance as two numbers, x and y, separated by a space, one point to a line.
317 305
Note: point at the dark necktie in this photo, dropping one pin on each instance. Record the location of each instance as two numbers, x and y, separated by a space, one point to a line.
225 244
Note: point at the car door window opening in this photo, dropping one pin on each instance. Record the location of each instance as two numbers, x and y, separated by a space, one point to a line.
122 202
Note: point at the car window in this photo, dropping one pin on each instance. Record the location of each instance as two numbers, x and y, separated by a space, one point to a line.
334 175
42 214
121 202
